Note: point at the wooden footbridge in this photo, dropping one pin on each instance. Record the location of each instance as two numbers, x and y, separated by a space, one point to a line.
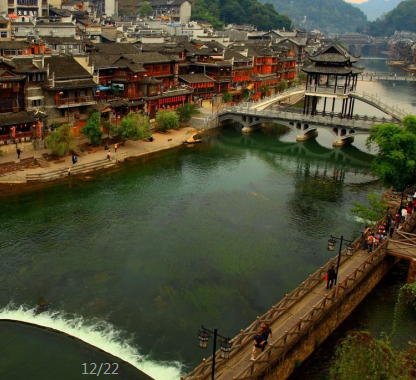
309 314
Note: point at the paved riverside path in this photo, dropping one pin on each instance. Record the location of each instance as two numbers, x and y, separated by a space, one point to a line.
162 141
238 363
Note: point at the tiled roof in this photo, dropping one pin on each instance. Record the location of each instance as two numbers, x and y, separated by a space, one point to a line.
334 53
62 41
75 83
16 118
229 54
116 48
66 68
25 65
14 45
195 78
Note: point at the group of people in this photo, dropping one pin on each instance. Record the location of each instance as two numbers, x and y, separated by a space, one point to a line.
260 340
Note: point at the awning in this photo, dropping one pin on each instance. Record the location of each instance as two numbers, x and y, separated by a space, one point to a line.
102 88
250 86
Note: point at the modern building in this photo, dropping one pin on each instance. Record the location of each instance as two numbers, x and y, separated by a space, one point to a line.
30 8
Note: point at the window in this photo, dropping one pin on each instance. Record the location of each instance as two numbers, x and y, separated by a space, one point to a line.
37 103
4 34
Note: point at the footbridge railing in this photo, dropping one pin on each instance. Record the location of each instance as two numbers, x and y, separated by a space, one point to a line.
276 350
245 337
362 122
396 112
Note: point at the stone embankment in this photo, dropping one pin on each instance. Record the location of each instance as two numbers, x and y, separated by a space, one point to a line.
41 170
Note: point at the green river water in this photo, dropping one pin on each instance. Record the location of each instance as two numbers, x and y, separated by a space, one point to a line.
135 260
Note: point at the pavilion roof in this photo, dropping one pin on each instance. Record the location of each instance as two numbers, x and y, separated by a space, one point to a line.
334 53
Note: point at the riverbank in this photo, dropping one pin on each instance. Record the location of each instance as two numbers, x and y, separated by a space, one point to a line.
51 171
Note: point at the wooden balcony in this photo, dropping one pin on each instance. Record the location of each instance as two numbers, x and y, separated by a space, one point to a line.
75 102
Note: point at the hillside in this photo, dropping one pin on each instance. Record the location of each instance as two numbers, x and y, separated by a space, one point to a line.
219 12
374 9
397 19
329 16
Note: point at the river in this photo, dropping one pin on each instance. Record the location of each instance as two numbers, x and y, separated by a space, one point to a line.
137 259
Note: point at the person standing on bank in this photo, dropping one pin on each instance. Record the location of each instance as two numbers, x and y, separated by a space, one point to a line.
115 147
259 342
332 275
18 151
108 155
69 171
266 331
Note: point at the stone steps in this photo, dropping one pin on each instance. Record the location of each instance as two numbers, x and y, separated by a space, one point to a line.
59 173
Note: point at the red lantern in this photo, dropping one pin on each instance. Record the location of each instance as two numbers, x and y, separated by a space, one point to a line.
39 130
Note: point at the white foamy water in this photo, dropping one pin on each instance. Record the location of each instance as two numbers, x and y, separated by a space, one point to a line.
98 333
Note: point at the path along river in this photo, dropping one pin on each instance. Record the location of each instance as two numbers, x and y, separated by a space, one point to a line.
136 260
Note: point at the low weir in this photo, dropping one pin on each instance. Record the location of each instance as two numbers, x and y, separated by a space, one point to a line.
303 319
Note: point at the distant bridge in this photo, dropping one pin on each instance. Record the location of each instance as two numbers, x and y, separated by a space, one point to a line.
252 114
307 125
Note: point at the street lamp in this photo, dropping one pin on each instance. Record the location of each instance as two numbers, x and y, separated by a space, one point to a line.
225 345
67 110
331 247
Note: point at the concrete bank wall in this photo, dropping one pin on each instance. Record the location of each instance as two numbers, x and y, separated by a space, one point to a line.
338 312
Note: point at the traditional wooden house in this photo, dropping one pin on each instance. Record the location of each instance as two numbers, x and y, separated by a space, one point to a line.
15 122
68 91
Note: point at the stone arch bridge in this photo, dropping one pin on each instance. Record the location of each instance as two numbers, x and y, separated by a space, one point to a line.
343 129
251 115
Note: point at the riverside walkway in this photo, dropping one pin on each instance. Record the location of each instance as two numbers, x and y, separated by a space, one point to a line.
293 318
87 162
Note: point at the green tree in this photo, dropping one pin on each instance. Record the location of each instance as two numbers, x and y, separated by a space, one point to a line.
61 140
395 161
283 85
93 130
362 357
166 120
186 112
145 9
264 90
227 97
135 126
375 210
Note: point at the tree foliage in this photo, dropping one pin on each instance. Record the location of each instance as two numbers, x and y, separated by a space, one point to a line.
93 130
166 120
397 19
219 12
61 140
145 9
329 16
283 85
362 357
395 162
186 112
227 97
375 210
135 126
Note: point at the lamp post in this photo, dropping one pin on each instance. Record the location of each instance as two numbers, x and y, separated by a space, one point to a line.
225 345
67 110
331 247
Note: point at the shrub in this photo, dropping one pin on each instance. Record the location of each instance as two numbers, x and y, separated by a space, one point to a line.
166 120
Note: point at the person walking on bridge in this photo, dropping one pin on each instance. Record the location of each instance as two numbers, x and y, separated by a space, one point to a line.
331 277
259 342
266 331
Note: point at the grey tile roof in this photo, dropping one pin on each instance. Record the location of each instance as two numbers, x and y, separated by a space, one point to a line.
16 118
66 68
195 78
